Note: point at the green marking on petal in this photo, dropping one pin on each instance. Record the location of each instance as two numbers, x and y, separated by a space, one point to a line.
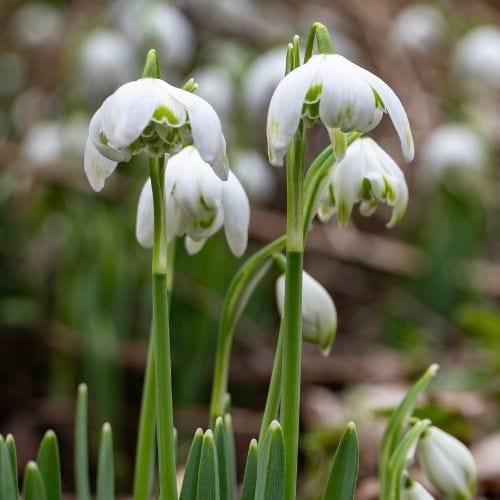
389 192
366 189
163 114
313 94
103 138
408 139
379 103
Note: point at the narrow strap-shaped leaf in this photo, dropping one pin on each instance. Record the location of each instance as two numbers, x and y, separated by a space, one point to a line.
344 472
8 484
11 447
33 487
397 424
222 459
105 466
48 462
208 474
250 477
81 446
230 454
271 466
190 481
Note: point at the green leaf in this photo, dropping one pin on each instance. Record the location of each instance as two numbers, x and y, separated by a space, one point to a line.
11 446
222 459
49 465
208 473
250 478
190 481
271 465
8 481
81 446
230 454
397 425
344 472
105 466
33 487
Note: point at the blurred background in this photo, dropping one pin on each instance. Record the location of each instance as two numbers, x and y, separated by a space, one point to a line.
75 285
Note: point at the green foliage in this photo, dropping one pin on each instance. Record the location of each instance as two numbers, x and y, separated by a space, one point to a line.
34 487
208 487
250 478
105 466
8 472
48 462
82 480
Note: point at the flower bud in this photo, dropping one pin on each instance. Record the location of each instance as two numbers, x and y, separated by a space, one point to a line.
415 491
447 463
319 315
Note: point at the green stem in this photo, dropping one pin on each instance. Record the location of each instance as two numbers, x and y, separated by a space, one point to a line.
274 391
161 335
318 32
292 318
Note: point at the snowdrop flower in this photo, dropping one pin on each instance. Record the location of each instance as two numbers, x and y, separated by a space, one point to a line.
369 175
343 96
256 176
476 59
415 491
151 115
452 151
447 463
198 204
319 315
107 60
419 28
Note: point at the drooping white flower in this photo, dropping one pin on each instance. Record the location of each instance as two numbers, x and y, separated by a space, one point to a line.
254 173
447 463
367 175
319 315
413 490
453 153
198 204
419 28
476 58
151 115
340 94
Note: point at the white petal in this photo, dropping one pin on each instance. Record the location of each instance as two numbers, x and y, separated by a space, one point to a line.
144 227
207 131
97 167
285 108
127 112
280 294
396 112
193 246
236 215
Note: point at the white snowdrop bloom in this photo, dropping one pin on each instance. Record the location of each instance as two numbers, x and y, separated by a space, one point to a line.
419 28
198 205
415 491
342 95
43 142
216 86
367 175
452 151
106 60
447 463
476 58
36 23
255 174
151 115
319 315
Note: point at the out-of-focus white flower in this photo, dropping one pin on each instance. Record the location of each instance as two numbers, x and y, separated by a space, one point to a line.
342 95
447 463
256 176
13 71
415 491
160 25
476 58
369 175
419 28
36 23
107 60
216 86
151 115
452 152
319 315
198 204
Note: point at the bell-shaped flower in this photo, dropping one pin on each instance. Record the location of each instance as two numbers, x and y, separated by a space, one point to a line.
413 490
151 115
198 204
447 463
367 175
342 95
319 315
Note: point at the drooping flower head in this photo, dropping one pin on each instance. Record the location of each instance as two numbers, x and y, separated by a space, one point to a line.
413 490
152 116
367 175
198 203
338 93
